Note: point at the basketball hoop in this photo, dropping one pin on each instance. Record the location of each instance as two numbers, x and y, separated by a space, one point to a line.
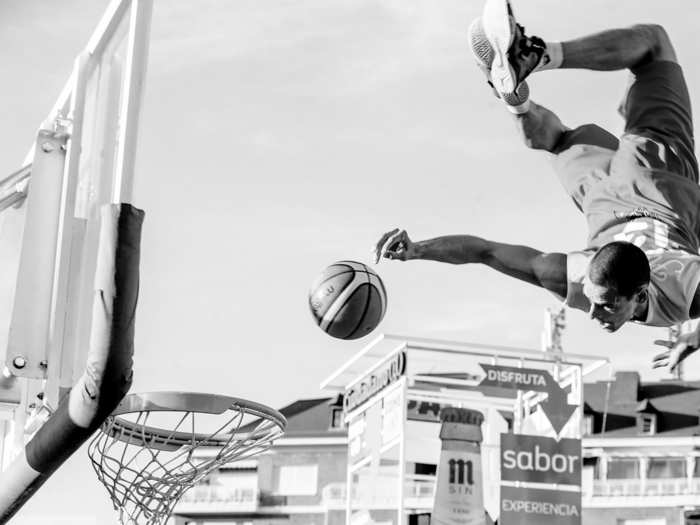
155 446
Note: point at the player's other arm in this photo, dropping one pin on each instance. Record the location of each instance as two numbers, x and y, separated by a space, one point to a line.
546 270
685 345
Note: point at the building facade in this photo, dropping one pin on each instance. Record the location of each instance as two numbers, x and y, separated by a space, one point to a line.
641 464
300 481
641 452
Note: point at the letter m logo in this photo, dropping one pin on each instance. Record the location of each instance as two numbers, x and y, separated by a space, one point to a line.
461 472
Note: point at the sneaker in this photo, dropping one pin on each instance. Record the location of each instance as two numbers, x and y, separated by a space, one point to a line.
484 54
516 55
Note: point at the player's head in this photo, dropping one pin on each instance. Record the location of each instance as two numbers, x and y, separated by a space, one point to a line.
616 283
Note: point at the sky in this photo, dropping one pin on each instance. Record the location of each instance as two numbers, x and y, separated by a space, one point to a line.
278 137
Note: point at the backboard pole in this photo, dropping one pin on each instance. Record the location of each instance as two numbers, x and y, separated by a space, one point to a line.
134 78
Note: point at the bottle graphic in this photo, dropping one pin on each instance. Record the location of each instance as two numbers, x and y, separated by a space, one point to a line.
459 492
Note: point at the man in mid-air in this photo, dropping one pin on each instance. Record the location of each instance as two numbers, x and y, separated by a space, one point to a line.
639 193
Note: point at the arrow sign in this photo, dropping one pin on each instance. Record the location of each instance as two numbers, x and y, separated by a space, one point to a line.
557 410
555 407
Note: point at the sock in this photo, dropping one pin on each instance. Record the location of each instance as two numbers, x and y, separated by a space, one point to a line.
552 58
520 108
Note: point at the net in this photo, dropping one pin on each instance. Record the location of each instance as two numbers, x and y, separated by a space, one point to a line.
146 469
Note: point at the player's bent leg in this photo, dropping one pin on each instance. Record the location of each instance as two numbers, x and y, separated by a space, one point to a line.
657 110
616 49
540 128
518 55
658 42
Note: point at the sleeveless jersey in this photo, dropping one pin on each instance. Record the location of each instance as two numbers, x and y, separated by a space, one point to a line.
659 212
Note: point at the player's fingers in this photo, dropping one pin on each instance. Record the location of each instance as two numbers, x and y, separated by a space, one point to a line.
682 351
663 342
660 361
659 357
377 249
678 358
675 360
392 245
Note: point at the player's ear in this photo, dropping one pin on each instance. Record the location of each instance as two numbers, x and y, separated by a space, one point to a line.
642 294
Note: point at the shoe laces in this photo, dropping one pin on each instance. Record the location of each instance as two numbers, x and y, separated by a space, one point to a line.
527 45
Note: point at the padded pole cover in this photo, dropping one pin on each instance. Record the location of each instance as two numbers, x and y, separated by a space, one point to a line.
108 371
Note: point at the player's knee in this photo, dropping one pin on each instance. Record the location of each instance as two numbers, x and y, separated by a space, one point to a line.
658 43
540 128
543 141
540 141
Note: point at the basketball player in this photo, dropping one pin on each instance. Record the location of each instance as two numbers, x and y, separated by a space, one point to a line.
639 193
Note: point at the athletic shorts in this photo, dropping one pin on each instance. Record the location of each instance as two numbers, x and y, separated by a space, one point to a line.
658 135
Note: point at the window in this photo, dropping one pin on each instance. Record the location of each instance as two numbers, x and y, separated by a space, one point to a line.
337 418
660 468
594 463
296 480
425 469
623 468
588 424
647 423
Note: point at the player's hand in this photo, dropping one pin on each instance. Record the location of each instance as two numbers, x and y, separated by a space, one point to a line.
677 352
395 244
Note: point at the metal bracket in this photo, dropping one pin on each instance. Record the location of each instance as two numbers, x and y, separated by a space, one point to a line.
62 127
13 188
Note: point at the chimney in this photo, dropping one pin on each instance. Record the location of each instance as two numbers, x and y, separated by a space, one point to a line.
625 388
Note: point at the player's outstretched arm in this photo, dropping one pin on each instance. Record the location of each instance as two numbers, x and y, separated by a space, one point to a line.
547 270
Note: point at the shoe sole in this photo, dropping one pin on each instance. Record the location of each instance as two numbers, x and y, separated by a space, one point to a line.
499 31
479 45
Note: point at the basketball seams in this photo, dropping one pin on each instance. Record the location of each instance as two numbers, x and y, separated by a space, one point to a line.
361 318
368 301
345 269
342 299
358 267
338 304
382 293
317 315
318 285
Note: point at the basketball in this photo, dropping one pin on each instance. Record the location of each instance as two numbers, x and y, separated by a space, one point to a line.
347 300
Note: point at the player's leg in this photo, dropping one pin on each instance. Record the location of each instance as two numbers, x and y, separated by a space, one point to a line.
539 127
657 111
581 156
517 55
616 49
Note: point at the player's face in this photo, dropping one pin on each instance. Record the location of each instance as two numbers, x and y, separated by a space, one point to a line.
608 308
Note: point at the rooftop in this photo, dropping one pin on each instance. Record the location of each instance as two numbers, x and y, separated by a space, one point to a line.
620 403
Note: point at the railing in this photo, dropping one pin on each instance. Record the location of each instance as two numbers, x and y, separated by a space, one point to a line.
645 487
219 494
419 492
